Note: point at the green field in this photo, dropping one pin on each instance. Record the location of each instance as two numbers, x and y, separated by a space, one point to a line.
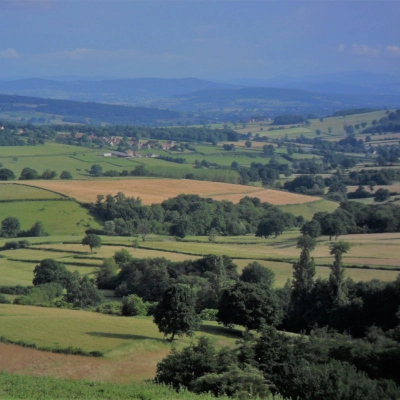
47 388
58 217
307 210
114 336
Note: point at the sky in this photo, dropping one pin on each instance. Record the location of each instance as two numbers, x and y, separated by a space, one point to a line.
206 39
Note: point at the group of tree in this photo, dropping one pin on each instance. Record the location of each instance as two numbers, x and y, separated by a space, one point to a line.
54 284
361 362
30 173
189 215
354 217
389 123
267 174
11 228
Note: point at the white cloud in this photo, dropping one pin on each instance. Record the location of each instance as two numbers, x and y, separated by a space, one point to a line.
83 54
9 53
392 49
341 48
93 54
365 50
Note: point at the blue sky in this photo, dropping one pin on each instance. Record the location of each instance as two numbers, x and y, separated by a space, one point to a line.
208 39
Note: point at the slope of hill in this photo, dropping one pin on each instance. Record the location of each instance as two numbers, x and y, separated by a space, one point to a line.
84 112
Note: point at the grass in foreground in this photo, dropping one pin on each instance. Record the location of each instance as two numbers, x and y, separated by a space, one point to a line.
28 387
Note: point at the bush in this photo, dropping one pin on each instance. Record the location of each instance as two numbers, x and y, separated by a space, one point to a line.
65 175
133 305
11 245
208 314
110 308
4 300
15 290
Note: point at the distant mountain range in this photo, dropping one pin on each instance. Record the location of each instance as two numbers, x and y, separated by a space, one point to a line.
200 100
350 82
129 91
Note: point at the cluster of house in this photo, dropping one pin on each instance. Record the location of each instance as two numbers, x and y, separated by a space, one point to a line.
150 144
127 154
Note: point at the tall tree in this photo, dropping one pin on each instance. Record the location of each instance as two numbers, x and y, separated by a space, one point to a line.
304 268
175 314
336 277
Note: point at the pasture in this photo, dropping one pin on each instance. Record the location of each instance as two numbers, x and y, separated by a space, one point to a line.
132 346
373 256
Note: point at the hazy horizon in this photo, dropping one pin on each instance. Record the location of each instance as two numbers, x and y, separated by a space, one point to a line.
212 40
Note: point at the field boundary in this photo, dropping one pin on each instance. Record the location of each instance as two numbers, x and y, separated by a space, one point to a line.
77 351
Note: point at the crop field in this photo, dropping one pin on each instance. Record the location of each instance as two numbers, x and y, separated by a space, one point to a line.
14 191
307 210
132 346
58 217
292 131
154 191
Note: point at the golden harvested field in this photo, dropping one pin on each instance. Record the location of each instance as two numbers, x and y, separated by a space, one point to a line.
154 191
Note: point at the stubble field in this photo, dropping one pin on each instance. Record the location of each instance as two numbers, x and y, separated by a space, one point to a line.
154 191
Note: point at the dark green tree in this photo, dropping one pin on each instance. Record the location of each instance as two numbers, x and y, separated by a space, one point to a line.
249 305
65 175
256 273
49 271
6 174
10 227
175 314
28 173
311 228
304 268
382 195
270 225
48 174
107 274
82 292
92 240
37 230
96 170
337 275
181 369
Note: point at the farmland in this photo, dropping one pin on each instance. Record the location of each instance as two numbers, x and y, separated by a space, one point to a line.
132 347
154 191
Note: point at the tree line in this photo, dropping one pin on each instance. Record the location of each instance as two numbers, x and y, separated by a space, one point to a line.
354 217
186 215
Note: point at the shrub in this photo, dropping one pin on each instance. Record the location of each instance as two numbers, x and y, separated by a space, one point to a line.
209 314
133 305
110 308
65 175
4 300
